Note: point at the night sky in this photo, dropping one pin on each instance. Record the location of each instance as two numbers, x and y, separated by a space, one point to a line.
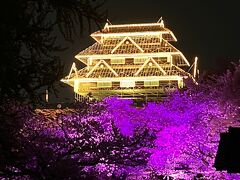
207 29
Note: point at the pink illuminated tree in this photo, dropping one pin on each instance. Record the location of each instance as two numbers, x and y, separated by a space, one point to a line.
177 138
76 145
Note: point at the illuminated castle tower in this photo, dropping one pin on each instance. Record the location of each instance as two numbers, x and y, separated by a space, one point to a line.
131 61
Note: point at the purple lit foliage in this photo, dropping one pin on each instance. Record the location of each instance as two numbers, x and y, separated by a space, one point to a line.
176 138
180 129
188 124
72 145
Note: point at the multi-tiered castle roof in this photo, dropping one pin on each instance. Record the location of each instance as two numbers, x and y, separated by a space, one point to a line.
129 59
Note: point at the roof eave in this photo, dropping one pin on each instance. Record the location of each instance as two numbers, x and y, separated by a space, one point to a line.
79 58
174 37
158 54
101 34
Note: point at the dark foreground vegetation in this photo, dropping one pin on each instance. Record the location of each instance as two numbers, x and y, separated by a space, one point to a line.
112 139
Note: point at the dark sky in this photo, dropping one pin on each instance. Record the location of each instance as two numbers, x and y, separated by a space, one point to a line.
207 29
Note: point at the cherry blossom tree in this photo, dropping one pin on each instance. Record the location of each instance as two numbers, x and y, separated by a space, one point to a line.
72 145
188 124
177 138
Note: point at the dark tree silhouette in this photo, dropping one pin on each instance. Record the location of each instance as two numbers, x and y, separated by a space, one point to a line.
28 29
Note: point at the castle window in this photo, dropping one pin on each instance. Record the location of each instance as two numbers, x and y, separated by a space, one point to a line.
105 84
90 62
139 60
151 83
118 61
127 83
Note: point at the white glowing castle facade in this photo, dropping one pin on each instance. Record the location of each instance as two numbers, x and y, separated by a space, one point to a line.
129 61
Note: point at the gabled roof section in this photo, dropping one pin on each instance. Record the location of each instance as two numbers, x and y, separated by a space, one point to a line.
73 68
146 44
152 63
101 64
116 46
168 45
127 42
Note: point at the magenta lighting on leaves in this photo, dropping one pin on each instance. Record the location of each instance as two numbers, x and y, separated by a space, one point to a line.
177 138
